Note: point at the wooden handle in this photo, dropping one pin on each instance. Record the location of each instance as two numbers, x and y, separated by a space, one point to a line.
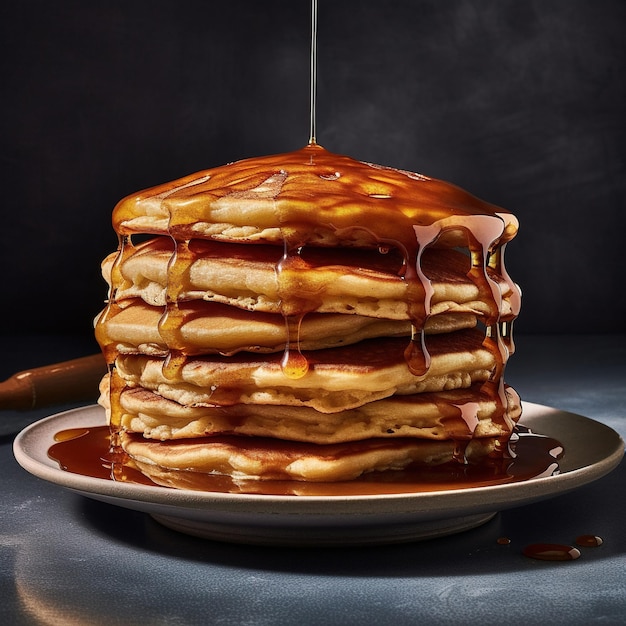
70 381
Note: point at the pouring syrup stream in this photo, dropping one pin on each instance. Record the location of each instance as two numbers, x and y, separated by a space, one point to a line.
313 78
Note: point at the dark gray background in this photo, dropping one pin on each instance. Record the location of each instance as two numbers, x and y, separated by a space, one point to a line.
520 102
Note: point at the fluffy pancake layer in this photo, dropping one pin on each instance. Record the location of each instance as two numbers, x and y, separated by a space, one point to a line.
458 415
338 379
346 281
273 459
135 328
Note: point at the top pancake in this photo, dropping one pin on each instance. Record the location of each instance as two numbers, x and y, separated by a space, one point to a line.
313 197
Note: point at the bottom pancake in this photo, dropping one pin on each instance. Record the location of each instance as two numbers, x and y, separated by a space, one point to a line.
264 458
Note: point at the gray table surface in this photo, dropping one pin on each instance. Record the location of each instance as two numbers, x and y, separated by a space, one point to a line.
65 559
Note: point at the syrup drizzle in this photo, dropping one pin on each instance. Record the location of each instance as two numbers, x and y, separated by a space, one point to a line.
313 101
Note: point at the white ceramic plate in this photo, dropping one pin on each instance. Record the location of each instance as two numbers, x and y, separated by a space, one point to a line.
592 450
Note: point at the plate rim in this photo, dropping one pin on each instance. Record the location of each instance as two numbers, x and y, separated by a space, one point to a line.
425 504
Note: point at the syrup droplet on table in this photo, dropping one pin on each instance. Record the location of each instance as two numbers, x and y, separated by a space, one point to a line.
551 552
589 541
503 541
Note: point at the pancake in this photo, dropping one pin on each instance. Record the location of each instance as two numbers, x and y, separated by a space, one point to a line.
361 282
269 199
272 459
337 379
456 415
135 329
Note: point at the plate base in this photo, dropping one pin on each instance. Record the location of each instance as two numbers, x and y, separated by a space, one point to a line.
303 536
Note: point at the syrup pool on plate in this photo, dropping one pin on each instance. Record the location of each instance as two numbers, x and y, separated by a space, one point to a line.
86 451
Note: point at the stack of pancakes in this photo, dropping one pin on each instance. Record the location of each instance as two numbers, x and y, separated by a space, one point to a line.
310 317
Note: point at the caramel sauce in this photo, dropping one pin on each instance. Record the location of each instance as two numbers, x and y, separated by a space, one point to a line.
87 451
